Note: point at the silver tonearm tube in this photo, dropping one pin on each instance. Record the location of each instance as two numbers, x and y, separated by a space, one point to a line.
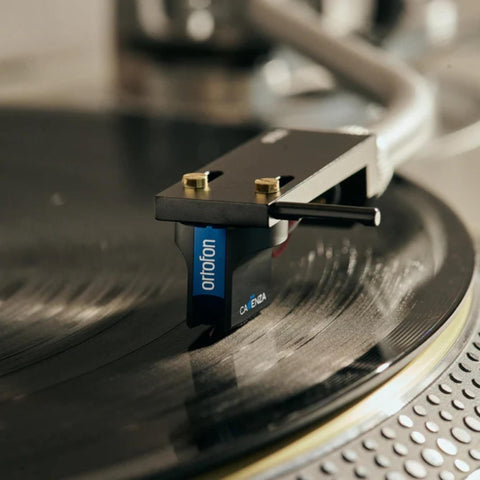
408 119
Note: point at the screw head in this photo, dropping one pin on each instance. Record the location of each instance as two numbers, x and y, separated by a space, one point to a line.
195 180
267 185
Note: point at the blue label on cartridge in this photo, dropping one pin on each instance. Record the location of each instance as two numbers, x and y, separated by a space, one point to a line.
209 261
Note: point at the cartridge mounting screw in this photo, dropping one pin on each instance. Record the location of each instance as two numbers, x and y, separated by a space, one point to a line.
195 180
267 185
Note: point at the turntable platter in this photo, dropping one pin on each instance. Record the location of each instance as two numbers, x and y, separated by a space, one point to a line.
98 368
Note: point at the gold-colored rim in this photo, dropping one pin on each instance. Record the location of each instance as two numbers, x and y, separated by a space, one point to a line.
393 390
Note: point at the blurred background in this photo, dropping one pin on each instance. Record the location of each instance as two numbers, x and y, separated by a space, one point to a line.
200 61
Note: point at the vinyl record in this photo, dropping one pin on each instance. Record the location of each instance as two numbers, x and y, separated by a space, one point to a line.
99 372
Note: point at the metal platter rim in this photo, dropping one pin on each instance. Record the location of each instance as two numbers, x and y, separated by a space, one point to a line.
341 432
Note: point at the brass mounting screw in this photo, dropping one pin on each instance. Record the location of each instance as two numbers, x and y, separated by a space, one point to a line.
195 180
267 185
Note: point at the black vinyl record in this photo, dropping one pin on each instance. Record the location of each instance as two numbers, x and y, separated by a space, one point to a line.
98 370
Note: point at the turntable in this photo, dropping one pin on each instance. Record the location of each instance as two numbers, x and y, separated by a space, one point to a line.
360 360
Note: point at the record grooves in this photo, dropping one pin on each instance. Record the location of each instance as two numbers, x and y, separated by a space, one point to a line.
98 368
